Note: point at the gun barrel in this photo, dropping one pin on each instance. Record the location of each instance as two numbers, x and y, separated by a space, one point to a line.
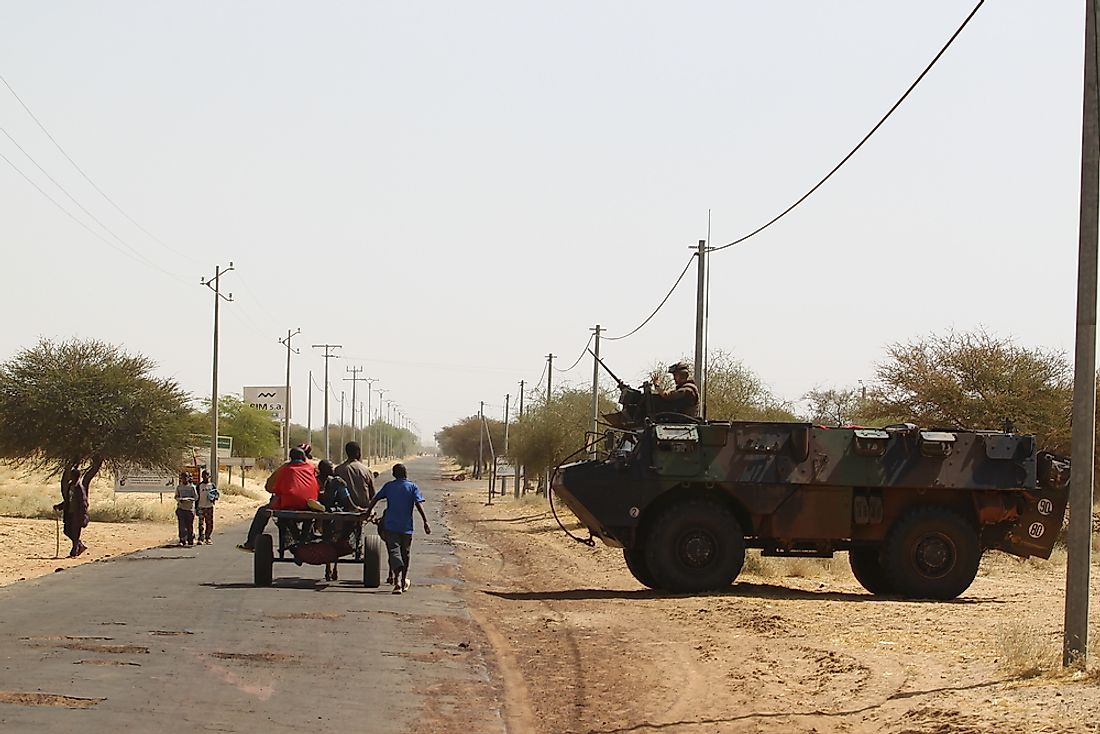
607 369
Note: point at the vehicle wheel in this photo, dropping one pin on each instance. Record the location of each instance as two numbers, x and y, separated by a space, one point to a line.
372 562
869 572
932 553
695 545
263 561
636 563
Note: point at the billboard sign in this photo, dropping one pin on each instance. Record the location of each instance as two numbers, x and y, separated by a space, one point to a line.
200 447
270 399
144 479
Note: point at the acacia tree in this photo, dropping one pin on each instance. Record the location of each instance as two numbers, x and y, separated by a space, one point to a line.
253 431
85 403
977 380
461 441
551 430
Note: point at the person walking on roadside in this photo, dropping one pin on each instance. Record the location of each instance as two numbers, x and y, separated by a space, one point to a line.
293 485
208 496
401 496
356 474
74 509
186 498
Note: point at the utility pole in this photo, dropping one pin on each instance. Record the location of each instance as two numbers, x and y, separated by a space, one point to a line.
327 355
355 378
480 438
341 420
1083 417
549 374
520 474
700 317
507 399
521 384
286 408
309 410
381 431
367 420
595 390
214 284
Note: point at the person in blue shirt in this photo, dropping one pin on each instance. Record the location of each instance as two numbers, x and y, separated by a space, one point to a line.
401 497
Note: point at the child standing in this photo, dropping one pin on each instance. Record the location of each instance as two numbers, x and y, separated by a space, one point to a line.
208 496
401 497
186 497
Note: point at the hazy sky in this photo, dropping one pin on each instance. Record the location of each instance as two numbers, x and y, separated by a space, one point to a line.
453 190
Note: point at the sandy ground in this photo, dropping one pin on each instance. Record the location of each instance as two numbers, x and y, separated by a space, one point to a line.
580 646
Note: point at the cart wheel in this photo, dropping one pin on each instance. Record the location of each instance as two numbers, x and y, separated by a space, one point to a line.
263 561
372 562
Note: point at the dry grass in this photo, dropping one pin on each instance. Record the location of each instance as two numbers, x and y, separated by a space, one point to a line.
1026 653
802 568
34 495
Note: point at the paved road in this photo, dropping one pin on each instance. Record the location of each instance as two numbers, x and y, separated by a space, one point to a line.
178 637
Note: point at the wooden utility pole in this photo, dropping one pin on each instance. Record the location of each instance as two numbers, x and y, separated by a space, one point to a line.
1083 418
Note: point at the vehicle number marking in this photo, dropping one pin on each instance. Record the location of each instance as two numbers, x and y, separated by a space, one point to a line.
634 512
1036 530
1045 506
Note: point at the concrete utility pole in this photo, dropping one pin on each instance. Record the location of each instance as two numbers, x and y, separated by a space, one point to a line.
480 438
507 399
214 284
549 374
700 317
286 408
355 378
520 475
595 389
367 421
341 420
380 429
309 410
327 355
521 384
1083 418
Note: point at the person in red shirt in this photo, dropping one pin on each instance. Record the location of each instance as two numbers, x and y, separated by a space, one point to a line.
294 485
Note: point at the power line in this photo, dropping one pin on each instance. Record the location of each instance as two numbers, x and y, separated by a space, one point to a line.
88 178
659 305
865 137
90 231
579 357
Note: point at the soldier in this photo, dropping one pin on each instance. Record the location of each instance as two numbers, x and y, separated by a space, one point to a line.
684 398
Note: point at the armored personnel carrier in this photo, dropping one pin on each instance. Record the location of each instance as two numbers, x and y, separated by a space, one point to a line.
914 508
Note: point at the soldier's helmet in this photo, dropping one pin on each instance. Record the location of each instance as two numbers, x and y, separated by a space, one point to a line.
679 367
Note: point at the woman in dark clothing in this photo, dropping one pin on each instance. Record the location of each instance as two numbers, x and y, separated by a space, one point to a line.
74 509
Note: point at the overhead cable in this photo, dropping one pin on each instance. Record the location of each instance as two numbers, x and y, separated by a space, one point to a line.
89 179
82 208
866 137
579 358
91 231
659 305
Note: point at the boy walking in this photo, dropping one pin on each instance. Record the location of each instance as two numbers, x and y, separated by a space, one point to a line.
208 495
401 497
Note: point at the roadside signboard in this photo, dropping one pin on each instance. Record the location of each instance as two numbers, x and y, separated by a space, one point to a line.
144 479
272 399
200 447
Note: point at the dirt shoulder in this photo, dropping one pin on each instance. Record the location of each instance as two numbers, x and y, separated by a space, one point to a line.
581 646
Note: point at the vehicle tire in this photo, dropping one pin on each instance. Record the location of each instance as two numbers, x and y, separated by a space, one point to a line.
636 564
263 561
695 545
867 567
372 562
932 553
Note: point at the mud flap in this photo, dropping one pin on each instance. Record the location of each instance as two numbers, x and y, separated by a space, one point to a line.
1036 529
